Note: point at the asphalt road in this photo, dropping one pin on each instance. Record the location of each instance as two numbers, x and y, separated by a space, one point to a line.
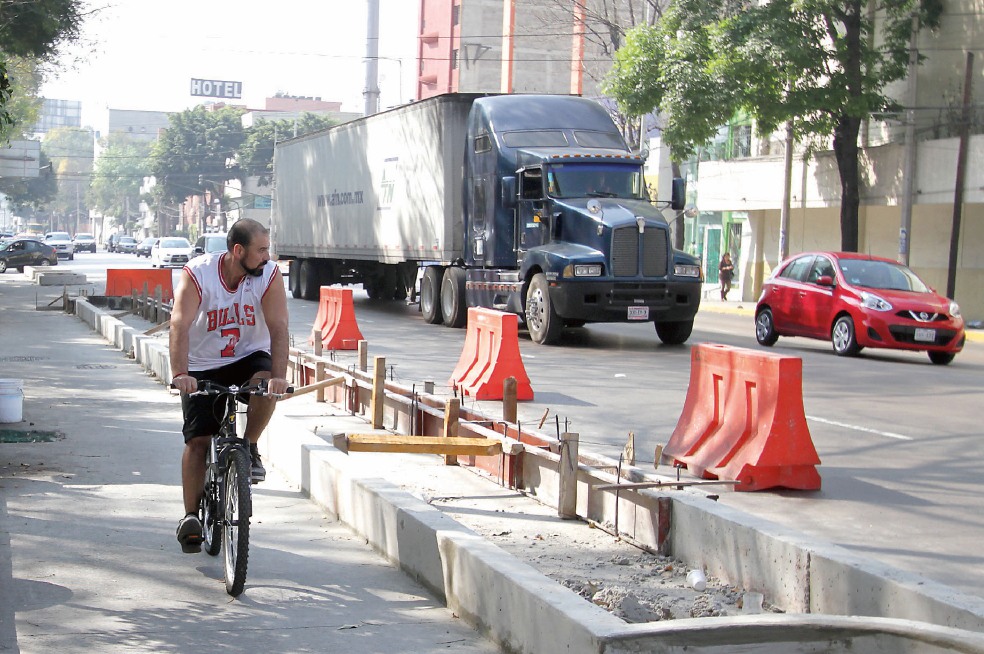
899 438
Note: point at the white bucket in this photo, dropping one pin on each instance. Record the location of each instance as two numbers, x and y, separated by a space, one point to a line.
11 400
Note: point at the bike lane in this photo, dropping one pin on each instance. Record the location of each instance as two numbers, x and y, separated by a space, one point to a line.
88 557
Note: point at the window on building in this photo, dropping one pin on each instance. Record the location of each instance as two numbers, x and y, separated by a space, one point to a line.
454 59
455 14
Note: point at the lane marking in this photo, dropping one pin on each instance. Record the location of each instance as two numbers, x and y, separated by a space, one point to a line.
887 434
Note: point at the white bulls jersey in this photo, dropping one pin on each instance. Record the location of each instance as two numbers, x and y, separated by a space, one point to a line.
230 323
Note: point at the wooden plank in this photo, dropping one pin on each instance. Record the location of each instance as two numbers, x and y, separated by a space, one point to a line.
310 388
462 445
639 485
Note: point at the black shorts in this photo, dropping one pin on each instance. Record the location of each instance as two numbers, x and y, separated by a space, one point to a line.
202 414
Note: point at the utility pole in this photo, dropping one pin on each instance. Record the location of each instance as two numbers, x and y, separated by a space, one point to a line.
372 60
787 183
909 164
951 278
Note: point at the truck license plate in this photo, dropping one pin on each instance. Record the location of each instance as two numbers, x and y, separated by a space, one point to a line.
638 313
925 335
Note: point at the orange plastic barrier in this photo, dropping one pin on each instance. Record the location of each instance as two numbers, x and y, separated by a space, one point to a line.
336 320
743 420
490 356
121 282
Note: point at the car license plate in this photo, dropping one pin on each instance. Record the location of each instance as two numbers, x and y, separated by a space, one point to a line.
638 313
925 335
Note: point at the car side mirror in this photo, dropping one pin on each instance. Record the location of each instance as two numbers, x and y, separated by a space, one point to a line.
199 250
825 280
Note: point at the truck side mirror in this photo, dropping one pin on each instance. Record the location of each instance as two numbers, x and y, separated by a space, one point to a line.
508 191
678 197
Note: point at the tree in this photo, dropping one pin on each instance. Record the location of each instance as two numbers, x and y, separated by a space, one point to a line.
118 175
19 105
823 64
29 194
196 153
71 152
256 153
36 30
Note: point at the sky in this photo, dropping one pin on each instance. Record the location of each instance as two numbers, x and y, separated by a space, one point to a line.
141 55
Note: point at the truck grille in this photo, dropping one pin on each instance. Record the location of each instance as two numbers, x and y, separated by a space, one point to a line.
626 252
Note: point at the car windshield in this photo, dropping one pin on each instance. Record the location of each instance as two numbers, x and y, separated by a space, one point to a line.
128 239
61 236
83 237
595 180
175 243
881 274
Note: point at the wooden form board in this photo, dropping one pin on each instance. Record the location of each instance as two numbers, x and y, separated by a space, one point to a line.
455 445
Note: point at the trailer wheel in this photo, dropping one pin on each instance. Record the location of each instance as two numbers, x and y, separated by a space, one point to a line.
294 278
542 321
430 295
453 305
309 280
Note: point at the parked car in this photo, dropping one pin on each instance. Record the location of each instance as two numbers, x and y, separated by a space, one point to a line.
127 245
857 301
85 243
170 251
62 243
20 252
143 250
209 243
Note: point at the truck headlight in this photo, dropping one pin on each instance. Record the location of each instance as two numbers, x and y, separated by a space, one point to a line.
686 270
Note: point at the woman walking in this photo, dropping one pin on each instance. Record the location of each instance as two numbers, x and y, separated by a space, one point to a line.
726 272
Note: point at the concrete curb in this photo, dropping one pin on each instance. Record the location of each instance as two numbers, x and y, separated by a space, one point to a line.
525 611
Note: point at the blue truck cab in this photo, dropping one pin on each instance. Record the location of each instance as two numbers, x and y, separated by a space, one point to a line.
558 225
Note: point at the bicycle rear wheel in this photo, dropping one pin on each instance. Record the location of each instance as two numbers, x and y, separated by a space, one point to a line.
237 504
211 515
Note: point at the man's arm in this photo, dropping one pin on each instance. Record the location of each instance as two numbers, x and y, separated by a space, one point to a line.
186 303
275 314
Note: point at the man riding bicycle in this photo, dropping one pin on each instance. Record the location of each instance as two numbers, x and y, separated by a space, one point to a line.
229 325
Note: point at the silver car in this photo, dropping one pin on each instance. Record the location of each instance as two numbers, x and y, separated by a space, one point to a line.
62 243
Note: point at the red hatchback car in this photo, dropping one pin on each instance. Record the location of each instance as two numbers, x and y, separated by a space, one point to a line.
856 301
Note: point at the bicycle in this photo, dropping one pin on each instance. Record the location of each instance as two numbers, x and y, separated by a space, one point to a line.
227 499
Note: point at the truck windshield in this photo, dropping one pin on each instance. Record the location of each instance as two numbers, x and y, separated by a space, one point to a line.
596 181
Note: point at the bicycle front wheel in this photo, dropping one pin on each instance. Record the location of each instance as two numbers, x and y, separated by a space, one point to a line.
237 508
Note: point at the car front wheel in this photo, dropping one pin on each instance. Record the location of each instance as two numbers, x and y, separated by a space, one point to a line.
843 337
941 358
3 266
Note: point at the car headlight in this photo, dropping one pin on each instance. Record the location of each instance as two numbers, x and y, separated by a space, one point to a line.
686 270
954 309
872 301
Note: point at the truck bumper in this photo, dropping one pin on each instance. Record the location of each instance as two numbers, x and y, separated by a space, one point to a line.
626 301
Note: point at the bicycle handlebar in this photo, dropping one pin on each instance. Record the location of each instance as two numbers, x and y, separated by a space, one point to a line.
208 387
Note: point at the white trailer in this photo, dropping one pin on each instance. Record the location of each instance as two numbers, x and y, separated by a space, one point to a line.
368 200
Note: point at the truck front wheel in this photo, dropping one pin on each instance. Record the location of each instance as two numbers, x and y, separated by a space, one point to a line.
542 321
430 295
674 333
454 308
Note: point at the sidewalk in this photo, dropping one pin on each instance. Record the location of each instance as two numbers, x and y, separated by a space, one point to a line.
88 557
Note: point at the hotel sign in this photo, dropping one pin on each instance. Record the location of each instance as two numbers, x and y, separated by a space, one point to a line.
215 88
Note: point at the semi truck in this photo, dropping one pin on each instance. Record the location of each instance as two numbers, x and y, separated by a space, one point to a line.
531 204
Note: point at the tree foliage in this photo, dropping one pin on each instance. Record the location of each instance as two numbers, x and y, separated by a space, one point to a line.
822 64
256 153
29 194
34 30
197 153
118 175
71 151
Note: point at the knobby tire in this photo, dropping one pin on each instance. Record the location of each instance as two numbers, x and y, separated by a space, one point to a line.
237 508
